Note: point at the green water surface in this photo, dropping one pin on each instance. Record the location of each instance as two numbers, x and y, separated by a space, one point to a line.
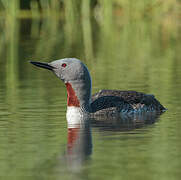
140 54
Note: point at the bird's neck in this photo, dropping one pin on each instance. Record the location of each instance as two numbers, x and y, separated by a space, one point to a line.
72 99
78 95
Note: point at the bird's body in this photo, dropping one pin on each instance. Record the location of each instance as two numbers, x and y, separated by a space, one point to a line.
80 102
113 101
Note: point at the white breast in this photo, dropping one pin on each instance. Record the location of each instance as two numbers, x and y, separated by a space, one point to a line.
75 117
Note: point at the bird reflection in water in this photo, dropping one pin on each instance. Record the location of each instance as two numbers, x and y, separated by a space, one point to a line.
79 143
125 122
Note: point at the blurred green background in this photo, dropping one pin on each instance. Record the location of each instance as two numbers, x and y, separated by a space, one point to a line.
138 35
126 44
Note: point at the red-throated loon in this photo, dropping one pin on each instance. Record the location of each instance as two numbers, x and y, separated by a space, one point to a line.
77 79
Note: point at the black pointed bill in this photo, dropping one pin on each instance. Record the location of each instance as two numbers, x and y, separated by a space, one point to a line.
43 65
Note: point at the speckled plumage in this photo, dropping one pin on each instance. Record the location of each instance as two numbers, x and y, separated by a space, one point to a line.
113 101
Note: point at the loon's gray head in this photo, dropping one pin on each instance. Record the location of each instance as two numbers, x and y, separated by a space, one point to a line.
68 69
72 72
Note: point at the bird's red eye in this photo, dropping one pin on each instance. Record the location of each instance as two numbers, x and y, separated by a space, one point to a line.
64 65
